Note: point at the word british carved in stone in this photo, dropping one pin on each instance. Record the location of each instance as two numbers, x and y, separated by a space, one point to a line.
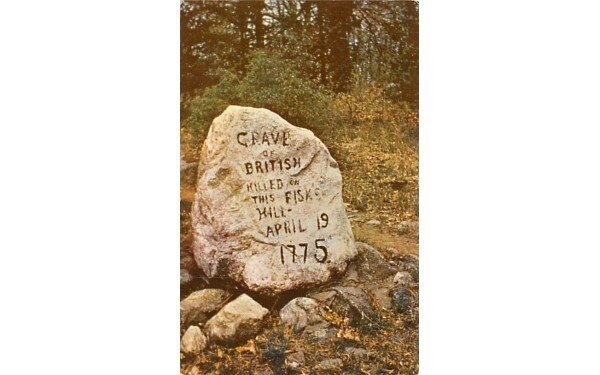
266 166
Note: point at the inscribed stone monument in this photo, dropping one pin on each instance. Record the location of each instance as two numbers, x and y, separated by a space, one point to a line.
268 211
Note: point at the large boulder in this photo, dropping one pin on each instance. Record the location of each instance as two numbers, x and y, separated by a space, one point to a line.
268 211
238 321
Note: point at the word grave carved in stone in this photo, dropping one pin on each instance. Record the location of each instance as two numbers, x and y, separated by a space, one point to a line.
268 211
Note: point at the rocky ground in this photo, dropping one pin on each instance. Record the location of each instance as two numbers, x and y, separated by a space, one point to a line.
364 322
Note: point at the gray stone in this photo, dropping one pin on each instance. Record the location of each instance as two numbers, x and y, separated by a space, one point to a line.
403 278
323 296
381 296
323 334
356 352
352 273
268 210
410 264
200 305
402 300
303 314
351 302
407 226
237 321
403 228
193 341
330 364
369 265
373 222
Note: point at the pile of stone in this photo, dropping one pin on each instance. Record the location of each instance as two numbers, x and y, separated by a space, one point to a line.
209 318
370 285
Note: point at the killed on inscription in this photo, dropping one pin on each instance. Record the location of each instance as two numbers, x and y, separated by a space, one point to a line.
268 210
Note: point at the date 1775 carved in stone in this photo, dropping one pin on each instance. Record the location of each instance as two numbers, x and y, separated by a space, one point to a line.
268 211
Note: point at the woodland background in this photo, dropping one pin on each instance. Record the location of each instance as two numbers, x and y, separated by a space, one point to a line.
347 70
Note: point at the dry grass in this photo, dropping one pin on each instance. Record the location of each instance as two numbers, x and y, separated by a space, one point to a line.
386 240
380 175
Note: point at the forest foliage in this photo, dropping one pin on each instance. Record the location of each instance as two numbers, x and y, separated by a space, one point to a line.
347 70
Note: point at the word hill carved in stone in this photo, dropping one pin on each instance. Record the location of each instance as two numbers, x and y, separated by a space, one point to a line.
268 211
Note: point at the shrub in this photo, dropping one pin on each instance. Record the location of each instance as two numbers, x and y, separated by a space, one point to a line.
270 82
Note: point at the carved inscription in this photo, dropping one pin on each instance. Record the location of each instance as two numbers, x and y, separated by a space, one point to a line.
278 198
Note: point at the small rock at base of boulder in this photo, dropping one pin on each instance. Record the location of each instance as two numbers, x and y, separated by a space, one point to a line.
369 265
409 263
200 305
381 296
349 301
402 300
323 334
237 321
373 222
303 314
193 341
